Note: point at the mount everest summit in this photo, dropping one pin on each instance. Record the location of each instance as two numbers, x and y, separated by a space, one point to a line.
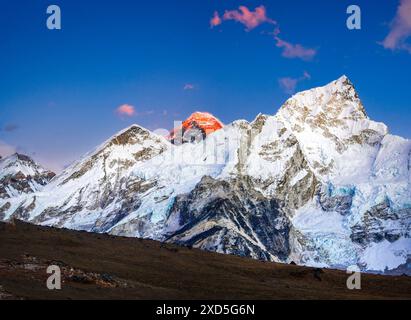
318 184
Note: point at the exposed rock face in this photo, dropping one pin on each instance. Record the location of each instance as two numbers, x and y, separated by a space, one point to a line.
19 174
230 217
382 222
319 184
298 185
5 206
336 200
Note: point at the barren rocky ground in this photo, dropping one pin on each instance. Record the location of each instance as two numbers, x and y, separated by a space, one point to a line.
98 266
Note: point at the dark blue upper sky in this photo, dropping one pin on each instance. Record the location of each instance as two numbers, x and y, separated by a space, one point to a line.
60 88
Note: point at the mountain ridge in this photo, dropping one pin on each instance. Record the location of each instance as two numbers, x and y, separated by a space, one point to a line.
318 183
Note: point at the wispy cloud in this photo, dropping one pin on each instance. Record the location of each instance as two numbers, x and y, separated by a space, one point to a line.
291 50
400 29
252 19
10 127
126 110
289 84
188 86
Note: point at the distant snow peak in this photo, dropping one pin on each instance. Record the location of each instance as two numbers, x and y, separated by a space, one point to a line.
19 174
319 183
195 128
19 161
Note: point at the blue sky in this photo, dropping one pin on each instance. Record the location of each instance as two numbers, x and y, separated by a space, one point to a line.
60 89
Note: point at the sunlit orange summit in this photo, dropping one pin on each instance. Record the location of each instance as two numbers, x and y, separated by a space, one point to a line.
201 122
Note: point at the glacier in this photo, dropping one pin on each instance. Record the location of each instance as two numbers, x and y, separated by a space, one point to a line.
317 184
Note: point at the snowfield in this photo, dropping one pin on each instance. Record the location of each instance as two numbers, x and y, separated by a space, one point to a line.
319 183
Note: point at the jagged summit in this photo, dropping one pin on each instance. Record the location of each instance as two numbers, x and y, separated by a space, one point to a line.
342 82
319 183
119 153
343 79
20 162
197 126
332 128
131 135
19 156
128 136
335 106
20 174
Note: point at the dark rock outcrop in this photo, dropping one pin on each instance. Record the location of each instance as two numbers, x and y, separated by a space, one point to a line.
230 217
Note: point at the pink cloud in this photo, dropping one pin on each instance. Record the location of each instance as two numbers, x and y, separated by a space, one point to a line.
251 19
188 86
289 84
126 110
400 28
291 50
215 20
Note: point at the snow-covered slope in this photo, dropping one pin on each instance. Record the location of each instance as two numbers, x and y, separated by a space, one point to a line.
319 183
19 174
363 203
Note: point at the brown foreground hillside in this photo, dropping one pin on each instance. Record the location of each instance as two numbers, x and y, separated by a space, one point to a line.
96 266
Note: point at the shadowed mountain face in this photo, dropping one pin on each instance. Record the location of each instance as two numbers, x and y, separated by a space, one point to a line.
98 266
319 184
240 220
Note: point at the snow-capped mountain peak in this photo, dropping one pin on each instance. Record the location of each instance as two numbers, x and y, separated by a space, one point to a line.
122 151
319 183
332 105
19 174
332 128
196 127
